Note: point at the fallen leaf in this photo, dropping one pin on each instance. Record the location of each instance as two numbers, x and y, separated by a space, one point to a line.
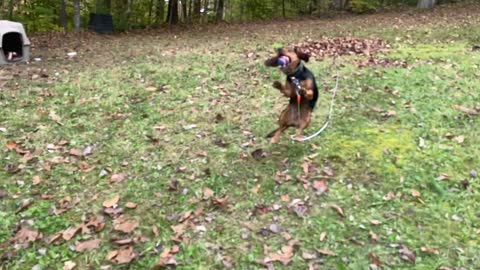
76 152
24 205
151 88
285 257
122 242
155 230
69 265
415 193
130 205
373 237
112 254
323 235
207 193
70 232
390 196
443 176
326 251
166 259
125 225
11 145
119 177
26 235
308 256
87 245
374 259
407 255
474 111
338 209
320 186
459 139
111 202
430 250
125 255
36 180
376 222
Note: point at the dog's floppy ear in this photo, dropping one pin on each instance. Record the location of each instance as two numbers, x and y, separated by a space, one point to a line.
304 56
273 62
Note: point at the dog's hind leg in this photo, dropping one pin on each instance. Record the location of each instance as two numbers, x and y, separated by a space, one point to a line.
303 125
278 133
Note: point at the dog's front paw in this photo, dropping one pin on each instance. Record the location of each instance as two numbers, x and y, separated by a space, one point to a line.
277 85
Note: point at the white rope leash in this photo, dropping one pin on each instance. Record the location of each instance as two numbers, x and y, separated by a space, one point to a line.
329 117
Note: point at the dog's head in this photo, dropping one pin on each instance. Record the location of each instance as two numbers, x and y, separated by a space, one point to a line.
294 56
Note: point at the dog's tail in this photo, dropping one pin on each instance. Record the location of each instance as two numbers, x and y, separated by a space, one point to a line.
270 135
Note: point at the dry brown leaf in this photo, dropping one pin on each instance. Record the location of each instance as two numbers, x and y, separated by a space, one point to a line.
207 193
323 235
125 225
111 202
155 230
407 255
256 189
374 259
24 205
308 256
11 145
26 235
285 257
125 255
375 222
373 237
76 152
320 186
36 180
326 251
430 250
69 265
470 111
87 245
70 232
338 209
130 205
415 193
112 254
119 177
166 259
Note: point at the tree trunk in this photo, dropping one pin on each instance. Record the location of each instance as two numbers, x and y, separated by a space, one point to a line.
63 15
283 9
425 4
11 5
220 7
160 12
205 11
197 5
184 10
172 16
76 15
338 4
150 10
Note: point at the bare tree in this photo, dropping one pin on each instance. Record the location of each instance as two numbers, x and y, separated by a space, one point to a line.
63 15
220 10
76 15
426 4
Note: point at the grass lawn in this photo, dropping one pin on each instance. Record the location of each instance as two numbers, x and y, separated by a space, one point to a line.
166 122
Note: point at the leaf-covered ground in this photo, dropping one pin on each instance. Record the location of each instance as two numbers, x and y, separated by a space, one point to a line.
147 150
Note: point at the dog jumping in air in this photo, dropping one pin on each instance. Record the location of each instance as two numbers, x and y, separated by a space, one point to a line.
300 87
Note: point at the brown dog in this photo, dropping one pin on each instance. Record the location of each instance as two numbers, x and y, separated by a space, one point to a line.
300 87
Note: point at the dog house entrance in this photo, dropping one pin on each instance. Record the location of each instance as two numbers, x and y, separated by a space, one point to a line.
12 44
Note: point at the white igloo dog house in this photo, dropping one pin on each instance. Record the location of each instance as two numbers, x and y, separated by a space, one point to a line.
14 44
